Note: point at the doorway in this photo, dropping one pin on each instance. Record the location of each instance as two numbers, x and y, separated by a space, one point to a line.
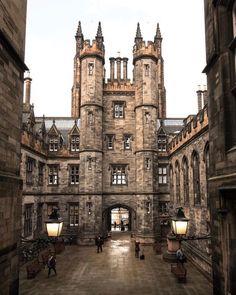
120 219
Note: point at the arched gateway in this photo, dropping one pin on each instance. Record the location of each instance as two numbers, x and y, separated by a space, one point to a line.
119 217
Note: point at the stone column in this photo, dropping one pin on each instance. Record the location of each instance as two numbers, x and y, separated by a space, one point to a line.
27 89
199 98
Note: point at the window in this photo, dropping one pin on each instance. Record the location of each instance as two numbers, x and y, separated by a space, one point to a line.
90 69
162 175
127 142
50 207
161 143
90 118
28 220
147 117
119 109
119 175
177 182
53 174
29 170
148 163
74 174
40 217
146 70
74 145
171 184
73 214
53 144
207 163
185 180
40 173
110 141
196 178
163 207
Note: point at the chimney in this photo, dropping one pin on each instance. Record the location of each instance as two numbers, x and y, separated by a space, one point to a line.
199 98
205 95
118 64
125 62
27 89
112 68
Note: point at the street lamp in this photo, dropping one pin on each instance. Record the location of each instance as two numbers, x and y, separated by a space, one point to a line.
54 224
179 223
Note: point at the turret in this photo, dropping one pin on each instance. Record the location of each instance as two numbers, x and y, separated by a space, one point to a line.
158 39
79 37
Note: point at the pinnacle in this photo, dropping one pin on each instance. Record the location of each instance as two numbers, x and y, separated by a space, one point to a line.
138 32
99 31
158 32
79 30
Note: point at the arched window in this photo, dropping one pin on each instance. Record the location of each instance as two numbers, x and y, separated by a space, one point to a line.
177 181
207 164
196 178
171 184
185 180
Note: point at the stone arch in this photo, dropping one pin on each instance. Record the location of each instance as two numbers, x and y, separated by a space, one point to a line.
185 174
106 216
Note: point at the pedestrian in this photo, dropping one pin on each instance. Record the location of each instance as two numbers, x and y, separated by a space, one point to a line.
142 256
114 225
51 265
137 249
181 258
99 243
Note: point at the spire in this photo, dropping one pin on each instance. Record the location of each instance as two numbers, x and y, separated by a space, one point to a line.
79 31
158 33
99 31
138 39
138 32
99 37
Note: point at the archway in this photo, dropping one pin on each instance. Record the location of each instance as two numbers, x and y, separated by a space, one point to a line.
119 217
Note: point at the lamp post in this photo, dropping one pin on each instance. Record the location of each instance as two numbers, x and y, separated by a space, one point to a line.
54 224
179 226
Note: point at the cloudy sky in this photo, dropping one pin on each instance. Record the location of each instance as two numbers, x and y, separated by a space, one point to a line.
50 46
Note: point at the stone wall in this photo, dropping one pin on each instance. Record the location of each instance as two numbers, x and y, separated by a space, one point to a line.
12 67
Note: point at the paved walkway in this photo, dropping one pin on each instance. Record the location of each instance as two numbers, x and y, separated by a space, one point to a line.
115 271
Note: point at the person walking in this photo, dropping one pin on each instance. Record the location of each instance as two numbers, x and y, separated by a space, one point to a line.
51 265
180 256
99 243
137 249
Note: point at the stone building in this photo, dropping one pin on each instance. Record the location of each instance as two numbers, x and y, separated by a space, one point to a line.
12 67
189 169
110 156
220 29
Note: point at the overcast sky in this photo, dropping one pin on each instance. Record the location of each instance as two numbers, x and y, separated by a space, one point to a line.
50 46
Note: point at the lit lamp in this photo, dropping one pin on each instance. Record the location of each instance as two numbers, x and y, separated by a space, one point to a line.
179 223
54 224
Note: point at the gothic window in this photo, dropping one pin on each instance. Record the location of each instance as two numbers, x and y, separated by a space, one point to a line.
90 69
148 163
171 184
29 170
90 118
177 181
40 173
89 163
163 207
119 175
146 70
110 141
185 180
119 110
74 214
74 174
39 217
147 117
53 174
161 143
196 178
53 144
162 174
127 142
74 143
28 220
50 207
207 163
